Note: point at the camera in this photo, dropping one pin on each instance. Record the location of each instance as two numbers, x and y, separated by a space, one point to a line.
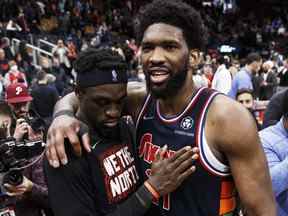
37 123
14 156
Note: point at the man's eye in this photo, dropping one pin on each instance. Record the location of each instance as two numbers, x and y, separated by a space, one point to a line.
170 47
102 102
146 48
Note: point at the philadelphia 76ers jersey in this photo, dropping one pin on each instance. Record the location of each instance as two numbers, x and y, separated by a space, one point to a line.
209 191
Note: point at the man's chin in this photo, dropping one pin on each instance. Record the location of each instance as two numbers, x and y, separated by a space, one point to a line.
110 132
158 88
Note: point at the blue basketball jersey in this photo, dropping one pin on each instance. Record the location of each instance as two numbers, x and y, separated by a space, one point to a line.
209 191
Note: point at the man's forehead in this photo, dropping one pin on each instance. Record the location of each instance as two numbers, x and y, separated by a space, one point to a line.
245 96
162 31
108 90
20 103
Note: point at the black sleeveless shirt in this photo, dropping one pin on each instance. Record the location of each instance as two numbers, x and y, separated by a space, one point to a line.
209 191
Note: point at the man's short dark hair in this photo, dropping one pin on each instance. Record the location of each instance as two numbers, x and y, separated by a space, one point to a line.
41 74
252 57
244 90
101 59
98 60
175 13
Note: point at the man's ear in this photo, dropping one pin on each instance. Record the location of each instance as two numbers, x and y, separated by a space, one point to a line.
194 58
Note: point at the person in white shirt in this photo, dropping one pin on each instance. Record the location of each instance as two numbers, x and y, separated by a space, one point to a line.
222 79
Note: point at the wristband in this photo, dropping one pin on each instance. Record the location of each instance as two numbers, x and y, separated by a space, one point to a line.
152 190
64 112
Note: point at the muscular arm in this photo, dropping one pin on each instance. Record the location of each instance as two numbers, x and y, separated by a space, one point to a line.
68 102
136 95
68 126
235 136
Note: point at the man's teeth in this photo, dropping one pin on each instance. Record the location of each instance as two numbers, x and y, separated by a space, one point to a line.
159 73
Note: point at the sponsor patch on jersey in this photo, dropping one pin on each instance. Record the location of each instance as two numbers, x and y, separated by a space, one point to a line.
187 123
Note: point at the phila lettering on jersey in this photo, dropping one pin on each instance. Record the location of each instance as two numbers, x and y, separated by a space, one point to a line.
210 190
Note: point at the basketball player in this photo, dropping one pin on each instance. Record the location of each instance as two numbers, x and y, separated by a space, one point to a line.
175 113
108 180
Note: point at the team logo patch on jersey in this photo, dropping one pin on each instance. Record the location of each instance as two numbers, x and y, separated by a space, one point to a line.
187 123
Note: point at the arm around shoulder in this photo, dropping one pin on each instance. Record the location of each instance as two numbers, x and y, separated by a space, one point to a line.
68 102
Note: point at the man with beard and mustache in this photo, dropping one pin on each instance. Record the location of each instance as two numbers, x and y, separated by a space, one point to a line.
244 78
107 181
31 194
245 97
19 99
231 157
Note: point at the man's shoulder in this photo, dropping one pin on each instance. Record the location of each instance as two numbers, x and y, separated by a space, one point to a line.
230 124
225 108
230 117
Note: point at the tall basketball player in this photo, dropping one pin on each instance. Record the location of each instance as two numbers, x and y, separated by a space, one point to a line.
174 113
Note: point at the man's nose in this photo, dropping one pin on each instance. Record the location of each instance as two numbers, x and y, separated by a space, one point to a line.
157 56
114 111
23 108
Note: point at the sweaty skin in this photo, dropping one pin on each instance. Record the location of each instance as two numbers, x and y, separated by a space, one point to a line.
230 131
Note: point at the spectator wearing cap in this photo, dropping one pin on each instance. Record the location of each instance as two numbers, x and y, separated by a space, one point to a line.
275 143
243 79
31 194
18 97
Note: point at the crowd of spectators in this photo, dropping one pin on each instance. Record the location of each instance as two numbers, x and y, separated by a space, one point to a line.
74 25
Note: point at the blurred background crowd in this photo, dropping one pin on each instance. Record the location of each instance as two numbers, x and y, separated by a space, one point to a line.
47 35
40 40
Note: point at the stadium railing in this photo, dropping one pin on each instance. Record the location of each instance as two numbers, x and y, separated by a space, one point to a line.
37 53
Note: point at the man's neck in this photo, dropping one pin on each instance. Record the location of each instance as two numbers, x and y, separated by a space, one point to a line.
175 104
